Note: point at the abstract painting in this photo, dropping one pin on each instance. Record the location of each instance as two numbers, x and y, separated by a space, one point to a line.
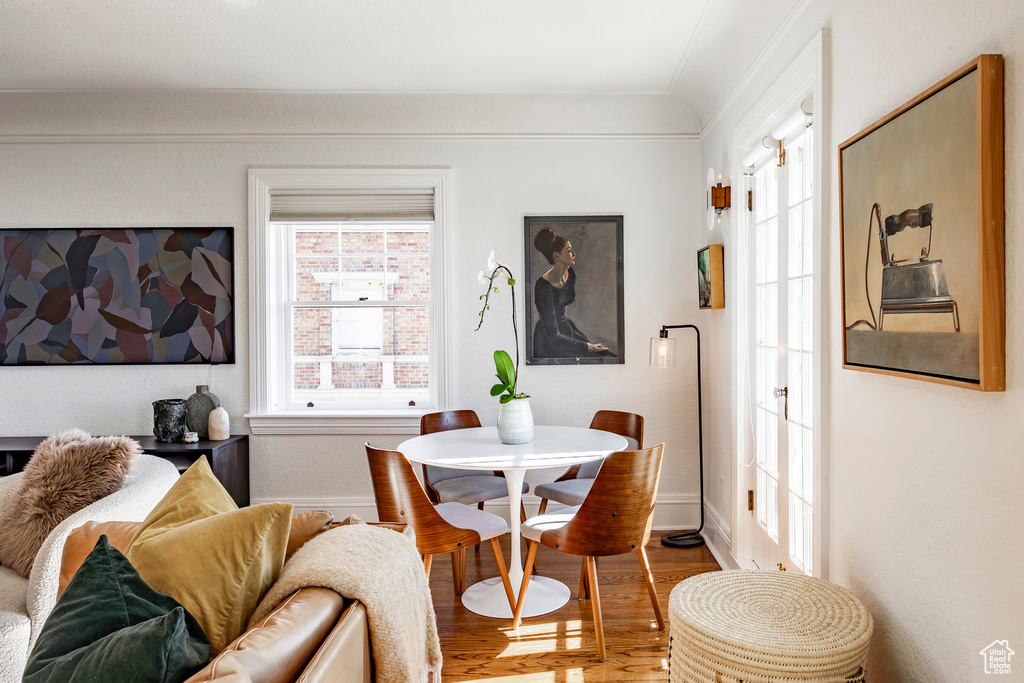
921 195
574 293
105 296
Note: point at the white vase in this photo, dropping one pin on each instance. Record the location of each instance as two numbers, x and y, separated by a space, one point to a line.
515 422
219 425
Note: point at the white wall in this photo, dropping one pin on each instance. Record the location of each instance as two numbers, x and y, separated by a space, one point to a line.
176 160
926 514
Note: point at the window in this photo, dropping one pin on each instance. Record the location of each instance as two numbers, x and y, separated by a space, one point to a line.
359 295
349 302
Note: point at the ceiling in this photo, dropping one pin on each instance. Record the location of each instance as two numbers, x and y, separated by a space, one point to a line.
696 49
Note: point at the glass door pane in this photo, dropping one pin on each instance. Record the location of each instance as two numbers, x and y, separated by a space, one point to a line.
800 347
766 348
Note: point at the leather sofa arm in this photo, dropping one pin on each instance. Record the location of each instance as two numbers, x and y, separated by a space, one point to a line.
279 647
345 655
82 540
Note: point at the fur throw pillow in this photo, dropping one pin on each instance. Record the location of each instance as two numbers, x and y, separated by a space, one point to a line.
67 472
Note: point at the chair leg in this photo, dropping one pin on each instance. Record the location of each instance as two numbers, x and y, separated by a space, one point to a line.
462 569
455 572
522 512
595 604
427 561
479 506
543 506
645 565
505 581
584 590
517 615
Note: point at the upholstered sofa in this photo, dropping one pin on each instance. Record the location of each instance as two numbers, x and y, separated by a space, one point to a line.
26 603
313 636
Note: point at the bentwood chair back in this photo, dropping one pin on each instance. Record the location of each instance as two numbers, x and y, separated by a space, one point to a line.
607 523
572 487
444 528
447 484
443 422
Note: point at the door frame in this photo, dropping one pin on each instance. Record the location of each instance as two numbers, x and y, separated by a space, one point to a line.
808 74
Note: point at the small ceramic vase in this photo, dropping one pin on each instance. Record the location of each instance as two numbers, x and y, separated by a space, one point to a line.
197 410
169 419
515 422
219 426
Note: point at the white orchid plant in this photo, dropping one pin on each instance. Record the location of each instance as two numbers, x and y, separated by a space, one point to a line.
507 373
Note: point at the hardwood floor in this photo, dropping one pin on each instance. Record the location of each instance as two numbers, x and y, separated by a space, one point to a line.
560 647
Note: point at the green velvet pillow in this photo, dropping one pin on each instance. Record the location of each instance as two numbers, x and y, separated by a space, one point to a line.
110 626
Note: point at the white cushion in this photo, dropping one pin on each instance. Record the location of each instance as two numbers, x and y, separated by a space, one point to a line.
466 517
535 526
15 626
476 488
568 492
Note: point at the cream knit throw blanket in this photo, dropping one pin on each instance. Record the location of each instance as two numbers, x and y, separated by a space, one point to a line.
383 570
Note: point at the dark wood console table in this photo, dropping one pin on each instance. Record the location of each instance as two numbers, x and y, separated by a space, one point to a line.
229 459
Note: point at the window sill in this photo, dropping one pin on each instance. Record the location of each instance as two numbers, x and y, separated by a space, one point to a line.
354 422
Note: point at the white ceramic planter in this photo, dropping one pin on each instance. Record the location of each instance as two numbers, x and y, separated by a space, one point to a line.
515 422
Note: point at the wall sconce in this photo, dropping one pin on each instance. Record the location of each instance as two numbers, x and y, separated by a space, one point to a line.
721 197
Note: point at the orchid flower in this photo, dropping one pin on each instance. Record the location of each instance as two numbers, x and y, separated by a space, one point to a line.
486 278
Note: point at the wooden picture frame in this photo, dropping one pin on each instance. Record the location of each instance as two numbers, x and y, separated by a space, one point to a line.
921 235
578 321
710 277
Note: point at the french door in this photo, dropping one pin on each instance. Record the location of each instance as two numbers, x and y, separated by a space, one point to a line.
783 355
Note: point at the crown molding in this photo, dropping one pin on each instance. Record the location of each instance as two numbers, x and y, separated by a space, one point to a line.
759 61
257 138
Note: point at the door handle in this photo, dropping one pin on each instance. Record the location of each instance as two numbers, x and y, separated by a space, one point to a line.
783 393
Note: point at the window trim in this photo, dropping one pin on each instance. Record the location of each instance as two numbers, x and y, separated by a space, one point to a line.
266 416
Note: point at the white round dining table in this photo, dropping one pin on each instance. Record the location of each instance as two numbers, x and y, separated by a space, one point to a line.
480 449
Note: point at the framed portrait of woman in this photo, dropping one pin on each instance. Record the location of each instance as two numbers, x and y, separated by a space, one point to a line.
574 297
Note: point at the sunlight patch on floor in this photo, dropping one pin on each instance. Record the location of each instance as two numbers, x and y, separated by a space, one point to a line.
548 637
539 677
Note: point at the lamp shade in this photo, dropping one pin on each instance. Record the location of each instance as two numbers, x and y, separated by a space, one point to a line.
663 352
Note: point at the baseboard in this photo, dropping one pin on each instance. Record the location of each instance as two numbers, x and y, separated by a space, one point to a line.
671 512
718 538
718 526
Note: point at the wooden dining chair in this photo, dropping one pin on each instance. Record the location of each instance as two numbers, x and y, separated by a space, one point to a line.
450 485
572 487
607 523
442 528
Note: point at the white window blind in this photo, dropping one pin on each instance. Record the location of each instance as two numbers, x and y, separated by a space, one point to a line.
394 205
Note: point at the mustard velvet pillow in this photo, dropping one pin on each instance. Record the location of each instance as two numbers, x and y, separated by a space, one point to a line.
217 560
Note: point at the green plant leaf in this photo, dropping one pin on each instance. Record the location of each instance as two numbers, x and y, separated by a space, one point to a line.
503 364
505 398
498 388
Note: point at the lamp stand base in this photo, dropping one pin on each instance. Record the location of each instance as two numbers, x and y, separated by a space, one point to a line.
689 539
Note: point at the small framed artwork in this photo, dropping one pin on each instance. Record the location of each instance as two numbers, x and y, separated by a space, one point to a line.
710 277
574 293
115 296
921 220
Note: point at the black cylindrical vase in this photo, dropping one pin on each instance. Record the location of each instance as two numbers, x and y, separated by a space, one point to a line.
169 419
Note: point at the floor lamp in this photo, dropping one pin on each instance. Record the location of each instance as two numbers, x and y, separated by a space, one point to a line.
663 355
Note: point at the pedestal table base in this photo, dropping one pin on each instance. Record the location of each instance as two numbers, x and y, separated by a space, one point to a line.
487 598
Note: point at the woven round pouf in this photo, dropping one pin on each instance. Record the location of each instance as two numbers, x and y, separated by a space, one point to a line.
766 627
